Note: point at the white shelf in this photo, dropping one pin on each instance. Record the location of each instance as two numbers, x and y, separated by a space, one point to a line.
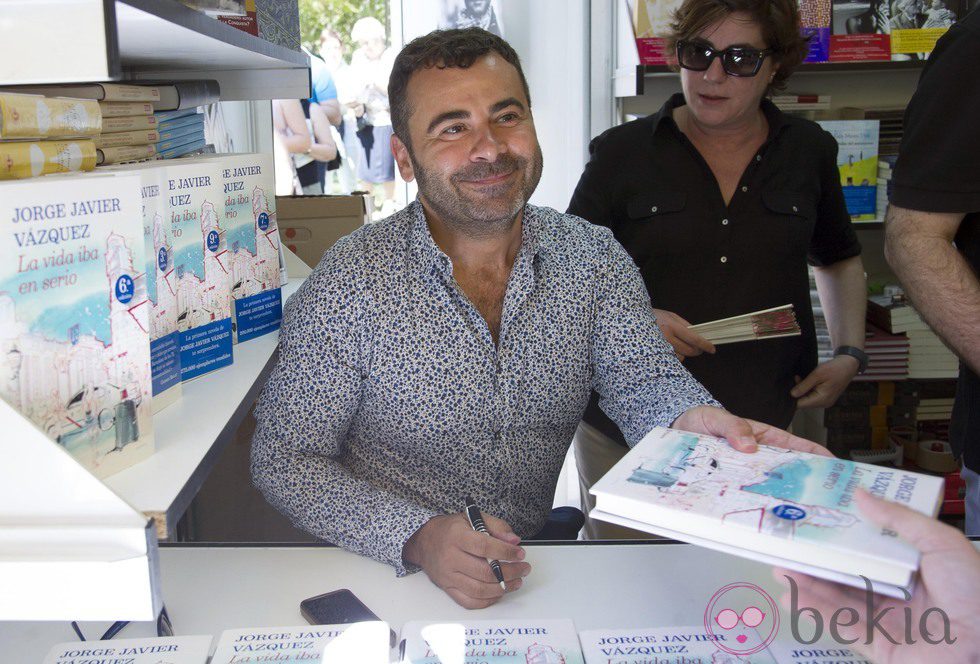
65 41
191 434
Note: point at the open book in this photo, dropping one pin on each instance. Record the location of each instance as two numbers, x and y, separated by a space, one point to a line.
765 324
776 506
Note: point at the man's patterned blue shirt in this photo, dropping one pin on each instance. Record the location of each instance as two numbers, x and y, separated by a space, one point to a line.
390 401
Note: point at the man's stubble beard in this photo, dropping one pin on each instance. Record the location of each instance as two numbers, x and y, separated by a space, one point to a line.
470 216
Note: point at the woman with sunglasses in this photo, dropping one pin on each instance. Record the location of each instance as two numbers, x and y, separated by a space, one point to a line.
722 200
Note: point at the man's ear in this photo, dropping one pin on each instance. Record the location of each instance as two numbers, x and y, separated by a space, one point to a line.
400 151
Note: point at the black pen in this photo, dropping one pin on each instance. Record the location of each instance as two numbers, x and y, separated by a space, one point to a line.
476 521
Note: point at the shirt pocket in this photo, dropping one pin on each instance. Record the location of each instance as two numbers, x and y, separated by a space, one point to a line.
793 216
656 225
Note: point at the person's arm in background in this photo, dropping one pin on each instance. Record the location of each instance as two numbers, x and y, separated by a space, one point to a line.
592 201
936 277
835 254
295 135
324 148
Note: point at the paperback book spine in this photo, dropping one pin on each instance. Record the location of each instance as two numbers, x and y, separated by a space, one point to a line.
31 159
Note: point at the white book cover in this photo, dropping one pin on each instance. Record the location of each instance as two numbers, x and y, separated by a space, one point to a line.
163 650
161 284
685 645
491 642
822 652
774 503
364 643
74 319
253 239
195 205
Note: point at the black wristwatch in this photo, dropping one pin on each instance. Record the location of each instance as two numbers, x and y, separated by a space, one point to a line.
856 353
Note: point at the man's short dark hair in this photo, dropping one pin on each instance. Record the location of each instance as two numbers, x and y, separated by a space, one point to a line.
442 49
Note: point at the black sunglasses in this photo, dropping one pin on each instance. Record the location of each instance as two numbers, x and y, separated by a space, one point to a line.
735 60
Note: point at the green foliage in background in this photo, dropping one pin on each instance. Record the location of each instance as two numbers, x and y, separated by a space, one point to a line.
341 15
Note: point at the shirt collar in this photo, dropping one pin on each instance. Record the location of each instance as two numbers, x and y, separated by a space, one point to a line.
535 239
774 117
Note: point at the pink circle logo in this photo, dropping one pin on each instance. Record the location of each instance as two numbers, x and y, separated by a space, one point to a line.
742 618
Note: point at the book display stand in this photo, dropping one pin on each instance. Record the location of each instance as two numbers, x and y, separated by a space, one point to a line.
76 547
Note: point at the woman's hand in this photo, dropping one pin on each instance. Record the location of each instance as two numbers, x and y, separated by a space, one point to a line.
686 342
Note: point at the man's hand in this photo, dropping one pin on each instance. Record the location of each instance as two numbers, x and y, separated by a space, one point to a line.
686 342
455 557
742 434
825 384
949 579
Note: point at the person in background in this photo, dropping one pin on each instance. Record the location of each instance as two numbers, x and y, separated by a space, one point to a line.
722 201
293 144
949 580
332 52
328 113
370 66
935 202
407 381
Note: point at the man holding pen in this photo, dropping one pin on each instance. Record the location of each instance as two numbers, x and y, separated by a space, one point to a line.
450 349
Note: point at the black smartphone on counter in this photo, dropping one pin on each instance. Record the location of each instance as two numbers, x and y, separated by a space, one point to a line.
338 608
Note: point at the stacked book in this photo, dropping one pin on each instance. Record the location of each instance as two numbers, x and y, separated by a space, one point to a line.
867 413
131 122
40 135
179 132
825 347
801 103
888 355
928 356
886 164
765 324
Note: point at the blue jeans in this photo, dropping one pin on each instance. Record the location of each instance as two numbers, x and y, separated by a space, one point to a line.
972 479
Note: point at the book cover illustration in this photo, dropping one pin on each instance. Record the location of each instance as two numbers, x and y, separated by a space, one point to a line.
815 24
253 237
916 25
491 642
651 22
201 261
161 289
163 650
857 161
74 316
861 31
681 645
774 492
365 643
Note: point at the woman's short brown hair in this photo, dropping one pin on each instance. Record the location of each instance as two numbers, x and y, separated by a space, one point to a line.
779 21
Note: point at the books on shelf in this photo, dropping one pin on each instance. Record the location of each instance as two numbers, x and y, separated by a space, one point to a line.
815 24
120 109
25 116
857 161
651 24
775 506
791 103
168 650
498 641
127 123
124 153
75 316
928 355
28 159
240 14
127 138
253 239
201 261
764 324
96 91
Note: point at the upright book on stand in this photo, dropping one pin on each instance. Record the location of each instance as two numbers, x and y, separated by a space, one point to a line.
497 641
777 506
74 315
